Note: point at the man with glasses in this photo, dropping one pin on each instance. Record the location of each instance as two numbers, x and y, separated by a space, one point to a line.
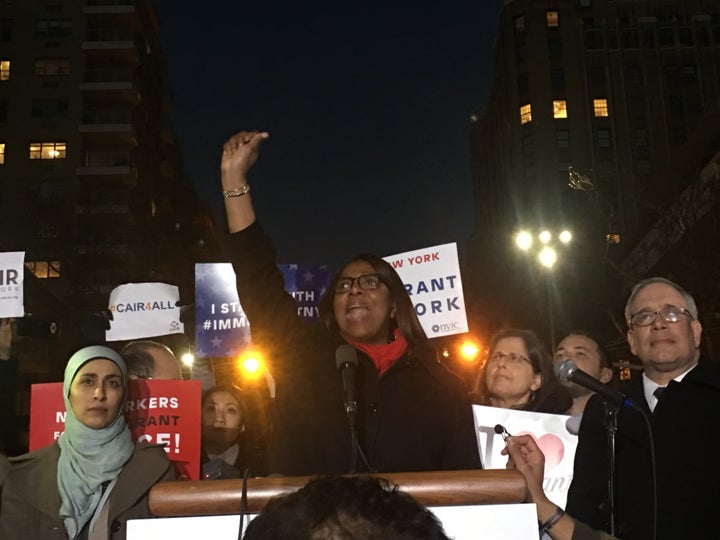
679 392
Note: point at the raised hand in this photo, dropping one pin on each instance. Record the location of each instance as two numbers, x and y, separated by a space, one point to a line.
239 154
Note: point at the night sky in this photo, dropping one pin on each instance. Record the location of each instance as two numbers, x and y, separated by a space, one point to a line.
368 107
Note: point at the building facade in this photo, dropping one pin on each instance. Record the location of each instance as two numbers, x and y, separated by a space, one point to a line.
601 115
91 183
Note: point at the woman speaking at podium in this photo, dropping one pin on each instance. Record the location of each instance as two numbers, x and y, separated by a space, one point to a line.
361 390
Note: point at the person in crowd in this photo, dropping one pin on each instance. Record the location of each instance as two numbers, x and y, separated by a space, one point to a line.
519 375
147 359
664 333
589 355
227 430
8 376
93 478
357 507
412 413
525 455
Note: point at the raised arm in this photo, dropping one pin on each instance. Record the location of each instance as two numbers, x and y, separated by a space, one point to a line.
239 153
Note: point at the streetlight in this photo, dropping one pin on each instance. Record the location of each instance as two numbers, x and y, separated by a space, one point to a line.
547 256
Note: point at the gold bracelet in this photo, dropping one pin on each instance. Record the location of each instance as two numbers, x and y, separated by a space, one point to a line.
238 192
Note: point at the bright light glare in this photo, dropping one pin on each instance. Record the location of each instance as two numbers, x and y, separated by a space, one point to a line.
523 240
188 359
545 237
252 366
548 257
565 237
469 351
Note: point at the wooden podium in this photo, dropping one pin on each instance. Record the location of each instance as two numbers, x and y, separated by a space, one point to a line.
435 488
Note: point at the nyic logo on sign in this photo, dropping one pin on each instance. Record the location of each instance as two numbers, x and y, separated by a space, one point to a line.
446 327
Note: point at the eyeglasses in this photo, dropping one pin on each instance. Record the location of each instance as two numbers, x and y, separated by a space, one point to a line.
367 282
510 359
669 314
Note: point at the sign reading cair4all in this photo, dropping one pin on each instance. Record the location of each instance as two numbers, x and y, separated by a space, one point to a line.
157 411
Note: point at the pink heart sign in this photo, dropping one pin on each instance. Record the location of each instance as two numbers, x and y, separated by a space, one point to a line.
552 447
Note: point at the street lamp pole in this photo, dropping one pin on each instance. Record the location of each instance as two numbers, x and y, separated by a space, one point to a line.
547 256
551 316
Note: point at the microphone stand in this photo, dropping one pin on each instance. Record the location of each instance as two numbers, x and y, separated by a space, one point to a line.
351 409
611 412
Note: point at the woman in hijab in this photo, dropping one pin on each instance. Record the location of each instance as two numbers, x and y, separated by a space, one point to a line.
93 479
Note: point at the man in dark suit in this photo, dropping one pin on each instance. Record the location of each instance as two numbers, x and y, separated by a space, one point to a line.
664 333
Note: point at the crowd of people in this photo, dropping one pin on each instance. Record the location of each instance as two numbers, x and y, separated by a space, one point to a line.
362 392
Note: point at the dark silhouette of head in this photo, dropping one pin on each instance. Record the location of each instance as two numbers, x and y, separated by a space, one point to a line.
345 508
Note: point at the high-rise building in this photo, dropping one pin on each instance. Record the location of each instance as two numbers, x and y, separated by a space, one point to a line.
91 183
601 119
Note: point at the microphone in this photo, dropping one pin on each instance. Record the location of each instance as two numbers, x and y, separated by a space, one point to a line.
346 361
567 371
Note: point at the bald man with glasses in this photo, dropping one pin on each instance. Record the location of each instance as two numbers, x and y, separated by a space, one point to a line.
680 393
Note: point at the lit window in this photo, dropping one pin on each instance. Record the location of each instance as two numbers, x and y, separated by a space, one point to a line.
44 269
47 150
552 19
612 238
2 153
4 70
559 108
601 107
525 113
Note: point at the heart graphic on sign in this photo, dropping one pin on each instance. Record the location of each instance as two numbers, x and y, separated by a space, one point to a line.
552 447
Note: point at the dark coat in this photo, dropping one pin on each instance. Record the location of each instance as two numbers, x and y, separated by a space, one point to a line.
415 417
686 435
31 499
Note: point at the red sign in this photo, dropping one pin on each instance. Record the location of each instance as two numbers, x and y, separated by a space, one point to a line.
160 412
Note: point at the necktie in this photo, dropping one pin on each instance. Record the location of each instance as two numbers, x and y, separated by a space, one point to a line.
659 391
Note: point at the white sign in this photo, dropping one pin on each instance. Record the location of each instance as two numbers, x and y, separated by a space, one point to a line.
142 310
486 522
432 279
548 430
11 284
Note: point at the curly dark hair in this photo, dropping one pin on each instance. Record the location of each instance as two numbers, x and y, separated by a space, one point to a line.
346 508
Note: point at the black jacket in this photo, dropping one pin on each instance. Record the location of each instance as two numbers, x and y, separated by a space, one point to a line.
686 433
415 417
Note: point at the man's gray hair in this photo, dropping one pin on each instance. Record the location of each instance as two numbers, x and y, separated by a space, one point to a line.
689 300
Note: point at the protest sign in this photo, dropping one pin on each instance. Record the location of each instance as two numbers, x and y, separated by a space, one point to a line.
432 279
159 412
12 273
307 284
548 430
141 310
221 327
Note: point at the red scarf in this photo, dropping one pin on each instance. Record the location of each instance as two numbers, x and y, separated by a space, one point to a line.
383 356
